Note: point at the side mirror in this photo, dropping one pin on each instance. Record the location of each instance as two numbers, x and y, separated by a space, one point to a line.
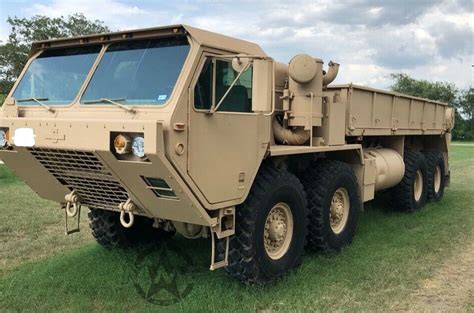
262 86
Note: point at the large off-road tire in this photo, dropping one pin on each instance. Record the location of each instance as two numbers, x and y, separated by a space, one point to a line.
333 203
108 232
436 175
271 228
410 194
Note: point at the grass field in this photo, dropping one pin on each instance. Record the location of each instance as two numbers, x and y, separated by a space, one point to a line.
397 262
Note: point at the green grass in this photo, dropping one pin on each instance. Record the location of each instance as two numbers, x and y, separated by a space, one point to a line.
391 254
30 227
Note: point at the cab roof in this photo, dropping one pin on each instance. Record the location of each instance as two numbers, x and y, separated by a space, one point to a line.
203 37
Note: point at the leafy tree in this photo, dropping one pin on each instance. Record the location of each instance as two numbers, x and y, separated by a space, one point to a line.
466 104
440 91
462 100
464 129
14 53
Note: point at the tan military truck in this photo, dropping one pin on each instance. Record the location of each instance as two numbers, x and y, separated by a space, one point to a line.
179 129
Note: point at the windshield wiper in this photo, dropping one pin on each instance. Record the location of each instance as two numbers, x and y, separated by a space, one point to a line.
38 100
112 101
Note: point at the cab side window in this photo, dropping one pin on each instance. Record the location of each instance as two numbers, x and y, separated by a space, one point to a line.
214 81
203 89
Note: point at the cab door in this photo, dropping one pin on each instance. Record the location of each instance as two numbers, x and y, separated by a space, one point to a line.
227 146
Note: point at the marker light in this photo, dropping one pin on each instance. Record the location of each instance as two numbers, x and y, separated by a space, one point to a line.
138 147
122 144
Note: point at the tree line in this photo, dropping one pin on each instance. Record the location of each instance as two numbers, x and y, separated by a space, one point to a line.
24 31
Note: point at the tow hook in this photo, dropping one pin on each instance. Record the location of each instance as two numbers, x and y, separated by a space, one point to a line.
127 208
72 209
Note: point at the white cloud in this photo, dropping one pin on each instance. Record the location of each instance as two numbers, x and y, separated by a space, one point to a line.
115 14
371 39
95 9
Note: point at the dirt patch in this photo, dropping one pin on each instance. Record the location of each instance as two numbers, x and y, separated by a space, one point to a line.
450 289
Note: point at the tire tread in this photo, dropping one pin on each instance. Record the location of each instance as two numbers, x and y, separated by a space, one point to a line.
243 264
401 194
315 182
432 158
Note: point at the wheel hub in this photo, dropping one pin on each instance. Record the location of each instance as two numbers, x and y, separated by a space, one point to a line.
339 211
278 230
418 185
437 179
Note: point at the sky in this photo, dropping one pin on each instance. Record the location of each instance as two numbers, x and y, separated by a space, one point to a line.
426 39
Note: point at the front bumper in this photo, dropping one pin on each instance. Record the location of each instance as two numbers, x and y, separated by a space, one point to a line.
75 155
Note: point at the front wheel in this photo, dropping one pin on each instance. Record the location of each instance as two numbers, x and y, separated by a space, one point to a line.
108 231
271 227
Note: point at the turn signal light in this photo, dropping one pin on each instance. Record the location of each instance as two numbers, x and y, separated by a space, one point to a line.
122 144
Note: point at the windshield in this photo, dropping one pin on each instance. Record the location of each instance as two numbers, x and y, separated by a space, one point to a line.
138 72
55 76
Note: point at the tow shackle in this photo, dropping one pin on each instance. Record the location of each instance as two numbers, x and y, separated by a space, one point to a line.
72 209
72 204
127 208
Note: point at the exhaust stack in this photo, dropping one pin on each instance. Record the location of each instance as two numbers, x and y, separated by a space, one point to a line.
333 69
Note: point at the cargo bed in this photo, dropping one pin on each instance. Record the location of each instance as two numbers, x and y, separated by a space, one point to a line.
373 112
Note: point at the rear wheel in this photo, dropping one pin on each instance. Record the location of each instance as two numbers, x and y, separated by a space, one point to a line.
410 194
334 204
271 227
109 232
436 175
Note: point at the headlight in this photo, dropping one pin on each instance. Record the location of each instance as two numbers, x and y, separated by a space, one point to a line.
3 138
138 147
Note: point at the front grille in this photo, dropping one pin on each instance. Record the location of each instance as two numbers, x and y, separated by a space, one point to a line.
83 172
